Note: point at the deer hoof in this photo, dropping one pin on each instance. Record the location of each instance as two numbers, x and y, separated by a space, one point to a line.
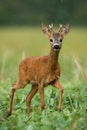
8 114
43 107
59 109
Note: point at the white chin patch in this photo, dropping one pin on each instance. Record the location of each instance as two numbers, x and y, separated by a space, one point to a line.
56 49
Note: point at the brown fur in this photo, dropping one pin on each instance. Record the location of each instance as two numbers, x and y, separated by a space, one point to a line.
40 72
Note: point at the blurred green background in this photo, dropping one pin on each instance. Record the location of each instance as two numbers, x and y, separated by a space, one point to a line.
20 37
34 12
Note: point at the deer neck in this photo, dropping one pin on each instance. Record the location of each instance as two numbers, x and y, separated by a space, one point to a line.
53 60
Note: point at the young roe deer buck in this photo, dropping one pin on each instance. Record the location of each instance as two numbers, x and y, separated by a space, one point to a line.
41 71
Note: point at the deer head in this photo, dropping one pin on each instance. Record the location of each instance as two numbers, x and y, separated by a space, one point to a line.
56 38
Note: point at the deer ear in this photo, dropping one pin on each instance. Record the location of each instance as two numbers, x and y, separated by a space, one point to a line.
64 29
46 30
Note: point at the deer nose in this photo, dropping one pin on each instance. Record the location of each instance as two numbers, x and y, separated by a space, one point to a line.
56 46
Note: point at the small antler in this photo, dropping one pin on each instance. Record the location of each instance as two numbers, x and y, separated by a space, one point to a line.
51 27
60 27
63 29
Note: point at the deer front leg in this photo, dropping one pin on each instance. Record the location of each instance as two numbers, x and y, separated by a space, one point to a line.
58 86
29 97
41 91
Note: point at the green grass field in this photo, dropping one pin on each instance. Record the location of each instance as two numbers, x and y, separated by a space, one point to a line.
16 43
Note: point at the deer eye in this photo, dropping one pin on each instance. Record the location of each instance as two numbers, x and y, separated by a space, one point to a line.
51 40
60 40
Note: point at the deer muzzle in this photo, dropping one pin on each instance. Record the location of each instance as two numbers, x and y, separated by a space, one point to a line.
56 47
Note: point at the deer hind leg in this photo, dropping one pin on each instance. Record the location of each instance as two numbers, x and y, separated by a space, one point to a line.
58 86
29 97
15 86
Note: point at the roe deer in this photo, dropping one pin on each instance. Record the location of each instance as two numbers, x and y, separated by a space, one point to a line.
41 71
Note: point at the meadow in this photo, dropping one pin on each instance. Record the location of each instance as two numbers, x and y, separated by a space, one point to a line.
16 43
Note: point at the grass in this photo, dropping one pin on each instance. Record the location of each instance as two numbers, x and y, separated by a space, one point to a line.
19 42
